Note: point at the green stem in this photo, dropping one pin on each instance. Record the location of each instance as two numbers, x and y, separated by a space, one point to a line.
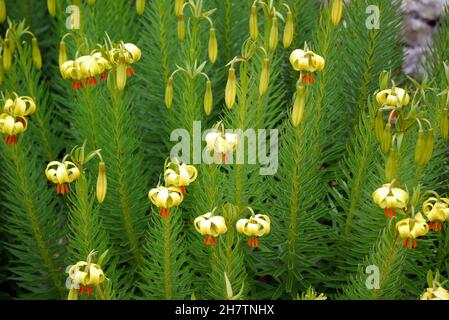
167 261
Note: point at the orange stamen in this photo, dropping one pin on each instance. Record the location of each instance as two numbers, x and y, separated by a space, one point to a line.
183 190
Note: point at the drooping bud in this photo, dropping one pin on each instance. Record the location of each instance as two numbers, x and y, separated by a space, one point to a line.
7 54
231 88
385 143
102 182
120 73
288 31
178 7
298 106
420 147
444 124
140 6
264 77
391 165
91 2
169 93
336 11
253 24
379 125
273 39
213 46
208 98
429 142
384 80
2 11
181 28
36 54
51 6
62 54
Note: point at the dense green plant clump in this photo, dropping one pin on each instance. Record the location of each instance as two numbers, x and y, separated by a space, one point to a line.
352 202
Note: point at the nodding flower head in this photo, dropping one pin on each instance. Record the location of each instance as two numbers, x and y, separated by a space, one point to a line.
210 226
395 97
62 173
411 228
20 106
166 198
179 175
256 226
389 198
437 293
12 126
221 143
437 211
306 61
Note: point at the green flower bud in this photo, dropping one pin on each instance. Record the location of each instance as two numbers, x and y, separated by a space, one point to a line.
264 77
273 39
231 88
384 80
208 98
140 6
385 143
169 93
391 165
181 28
213 46
429 143
444 124
36 54
7 54
2 11
288 31
420 147
253 24
51 6
298 106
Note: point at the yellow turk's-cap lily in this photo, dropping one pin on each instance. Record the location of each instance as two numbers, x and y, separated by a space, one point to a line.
411 228
12 126
180 175
221 143
306 61
438 293
437 211
211 226
20 106
82 275
166 198
256 226
389 198
395 97
62 173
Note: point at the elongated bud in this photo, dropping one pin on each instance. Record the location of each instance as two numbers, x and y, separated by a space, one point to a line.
384 80
385 143
288 31
429 142
264 77
169 93
178 7
336 11
253 24
91 2
36 54
231 88
181 28
208 98
213 46
391 165
2 11
102 182
62 54
140 7
273 40
379 125
7 54
298 106
120 74
51 6
420 147
444 124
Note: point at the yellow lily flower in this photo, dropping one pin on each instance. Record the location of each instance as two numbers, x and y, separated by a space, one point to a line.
180 175
221 143
20 106
306 61
411 228
389 199
437 211
82 275
435 294
395 97
62 173
256 226
166 198
12 126
210 226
